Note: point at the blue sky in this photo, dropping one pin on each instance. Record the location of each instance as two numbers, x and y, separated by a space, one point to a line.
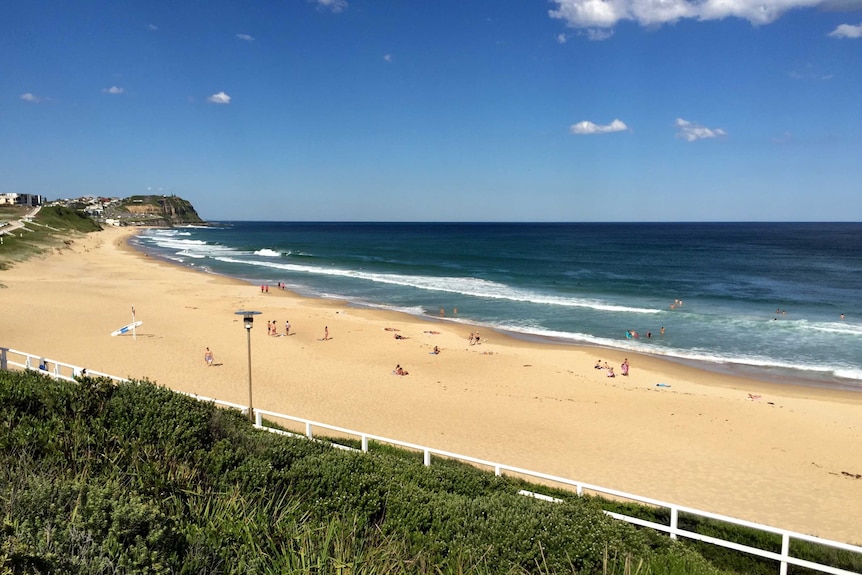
470 110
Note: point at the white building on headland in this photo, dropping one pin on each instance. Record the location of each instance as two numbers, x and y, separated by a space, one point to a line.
21 199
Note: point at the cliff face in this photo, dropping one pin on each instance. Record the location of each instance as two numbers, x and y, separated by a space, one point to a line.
158 211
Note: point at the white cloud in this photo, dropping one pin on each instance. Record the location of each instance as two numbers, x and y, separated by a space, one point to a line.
808 72
28 97
690 132
562 38
245 37
152 27
333 5
388 57
113 90
607 13
847 31
220 98
586 127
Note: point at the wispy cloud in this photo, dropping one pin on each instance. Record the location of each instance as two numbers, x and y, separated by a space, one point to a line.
245 37
562 38
388 57
691 132
220 98
152 27
607 13
587 128
808 72
331 5
30 97
785 138
847 31
113 90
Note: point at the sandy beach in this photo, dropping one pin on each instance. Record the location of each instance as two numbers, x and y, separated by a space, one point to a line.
782 455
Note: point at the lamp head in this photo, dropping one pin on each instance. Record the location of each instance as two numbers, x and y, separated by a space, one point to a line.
247 317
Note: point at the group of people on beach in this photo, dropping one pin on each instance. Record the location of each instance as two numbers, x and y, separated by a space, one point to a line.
624 367
474 338
272 327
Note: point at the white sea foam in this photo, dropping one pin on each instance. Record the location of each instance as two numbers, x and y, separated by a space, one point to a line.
842 328
190 255
694 355
459 285
268 253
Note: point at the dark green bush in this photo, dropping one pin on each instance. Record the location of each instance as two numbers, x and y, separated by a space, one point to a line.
96 478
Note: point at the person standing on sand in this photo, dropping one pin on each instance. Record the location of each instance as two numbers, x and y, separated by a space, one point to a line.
208 357
287 327
326 333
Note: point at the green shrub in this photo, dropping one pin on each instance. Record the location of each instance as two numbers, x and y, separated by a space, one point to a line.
97 478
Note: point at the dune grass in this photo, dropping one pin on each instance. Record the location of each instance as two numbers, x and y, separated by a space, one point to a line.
54 227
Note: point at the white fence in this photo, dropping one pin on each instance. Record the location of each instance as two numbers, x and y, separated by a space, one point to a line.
68 372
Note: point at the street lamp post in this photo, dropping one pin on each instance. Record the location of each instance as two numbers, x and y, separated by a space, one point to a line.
247 322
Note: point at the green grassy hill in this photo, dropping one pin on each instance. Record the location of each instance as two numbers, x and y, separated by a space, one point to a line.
54 227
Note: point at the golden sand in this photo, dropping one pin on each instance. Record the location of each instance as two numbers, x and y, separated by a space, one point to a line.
787 458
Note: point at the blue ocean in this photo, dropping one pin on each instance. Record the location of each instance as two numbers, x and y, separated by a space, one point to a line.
778 301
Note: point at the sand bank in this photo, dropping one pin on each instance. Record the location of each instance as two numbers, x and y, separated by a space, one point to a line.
786 458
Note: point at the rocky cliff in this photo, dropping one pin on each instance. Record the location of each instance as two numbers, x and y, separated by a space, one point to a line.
157 211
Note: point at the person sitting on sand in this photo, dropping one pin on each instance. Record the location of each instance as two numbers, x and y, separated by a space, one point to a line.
436 350
606 366
598 364
611 372
399 336
400 370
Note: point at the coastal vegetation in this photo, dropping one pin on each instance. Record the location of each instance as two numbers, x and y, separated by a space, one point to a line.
100 478
53 227
104 478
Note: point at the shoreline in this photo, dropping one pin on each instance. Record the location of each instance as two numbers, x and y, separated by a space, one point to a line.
775 374
776 458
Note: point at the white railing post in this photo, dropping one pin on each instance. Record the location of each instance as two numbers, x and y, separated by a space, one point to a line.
784 558
674 521
785 553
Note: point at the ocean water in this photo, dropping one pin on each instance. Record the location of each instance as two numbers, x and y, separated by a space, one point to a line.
761 299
